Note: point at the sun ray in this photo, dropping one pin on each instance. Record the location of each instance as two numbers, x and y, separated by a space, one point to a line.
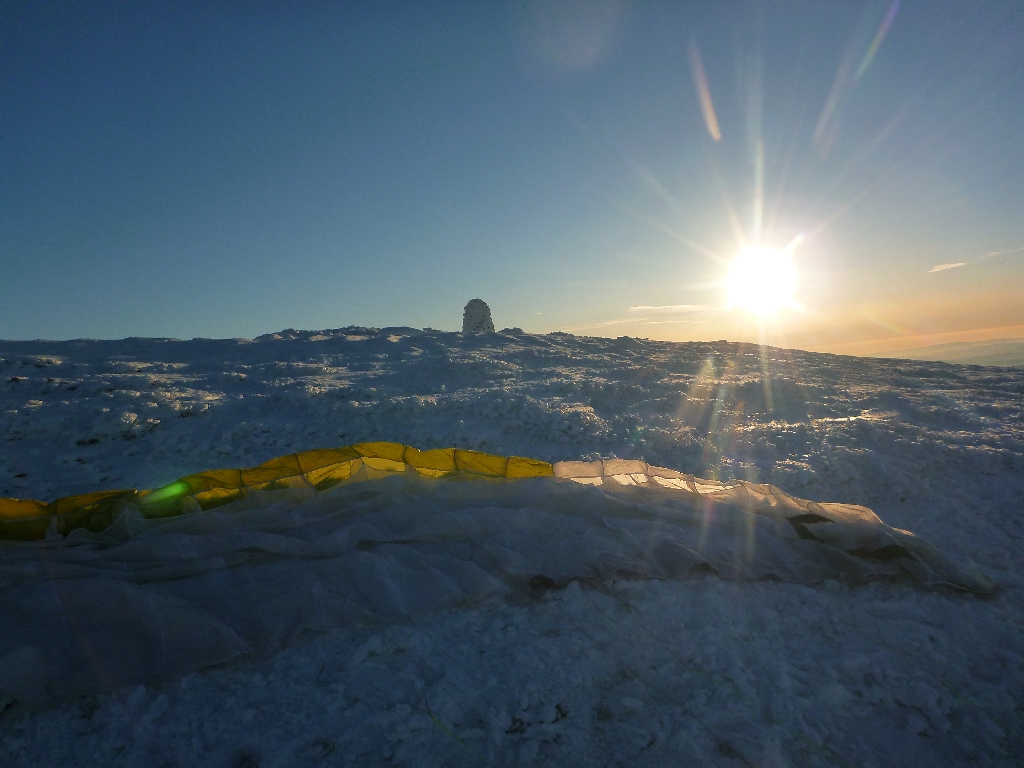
674 234
879 36
730 209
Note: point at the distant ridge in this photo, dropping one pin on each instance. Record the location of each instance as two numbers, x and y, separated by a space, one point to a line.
1004 352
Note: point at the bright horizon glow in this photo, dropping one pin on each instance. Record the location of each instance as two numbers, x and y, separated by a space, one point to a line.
761 281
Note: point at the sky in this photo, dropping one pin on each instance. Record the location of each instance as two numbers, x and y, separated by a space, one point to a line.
230 169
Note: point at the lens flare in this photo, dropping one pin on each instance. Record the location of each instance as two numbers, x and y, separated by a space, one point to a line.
700 82
762 281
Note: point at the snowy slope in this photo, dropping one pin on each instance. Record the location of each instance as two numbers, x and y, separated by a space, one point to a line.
699 671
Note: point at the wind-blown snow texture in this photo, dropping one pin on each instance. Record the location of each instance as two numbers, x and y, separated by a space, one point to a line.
698 672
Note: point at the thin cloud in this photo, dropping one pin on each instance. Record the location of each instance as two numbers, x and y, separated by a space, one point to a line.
606 323
670 308
666 322
1000 253
989 255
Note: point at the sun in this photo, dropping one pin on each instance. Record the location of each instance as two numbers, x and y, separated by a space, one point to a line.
762 281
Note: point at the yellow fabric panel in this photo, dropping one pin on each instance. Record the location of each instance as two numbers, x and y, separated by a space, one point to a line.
322 468
481 463
16 509
310 461
370 473
215 478
275 469
434 462
25 529
217 496
170 507
95 511
69 504
434 473
168 493
383 464
292 481
519 466
392 451
333 473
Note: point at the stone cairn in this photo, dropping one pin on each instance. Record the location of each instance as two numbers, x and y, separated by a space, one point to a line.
476 318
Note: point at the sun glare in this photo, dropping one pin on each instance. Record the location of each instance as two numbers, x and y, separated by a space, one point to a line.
762 281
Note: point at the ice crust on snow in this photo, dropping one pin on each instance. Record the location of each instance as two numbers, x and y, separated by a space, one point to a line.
778 674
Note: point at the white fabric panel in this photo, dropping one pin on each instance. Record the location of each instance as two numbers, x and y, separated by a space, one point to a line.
150 600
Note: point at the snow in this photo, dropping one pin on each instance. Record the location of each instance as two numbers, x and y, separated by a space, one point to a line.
693 671
476 317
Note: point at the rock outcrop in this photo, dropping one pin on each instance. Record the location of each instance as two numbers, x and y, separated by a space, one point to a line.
476 318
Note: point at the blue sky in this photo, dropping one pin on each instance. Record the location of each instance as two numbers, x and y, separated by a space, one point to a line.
230 169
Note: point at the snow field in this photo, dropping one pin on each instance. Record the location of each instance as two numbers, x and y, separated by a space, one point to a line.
697 672
630 673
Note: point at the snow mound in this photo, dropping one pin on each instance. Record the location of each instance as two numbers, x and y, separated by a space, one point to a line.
148 601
